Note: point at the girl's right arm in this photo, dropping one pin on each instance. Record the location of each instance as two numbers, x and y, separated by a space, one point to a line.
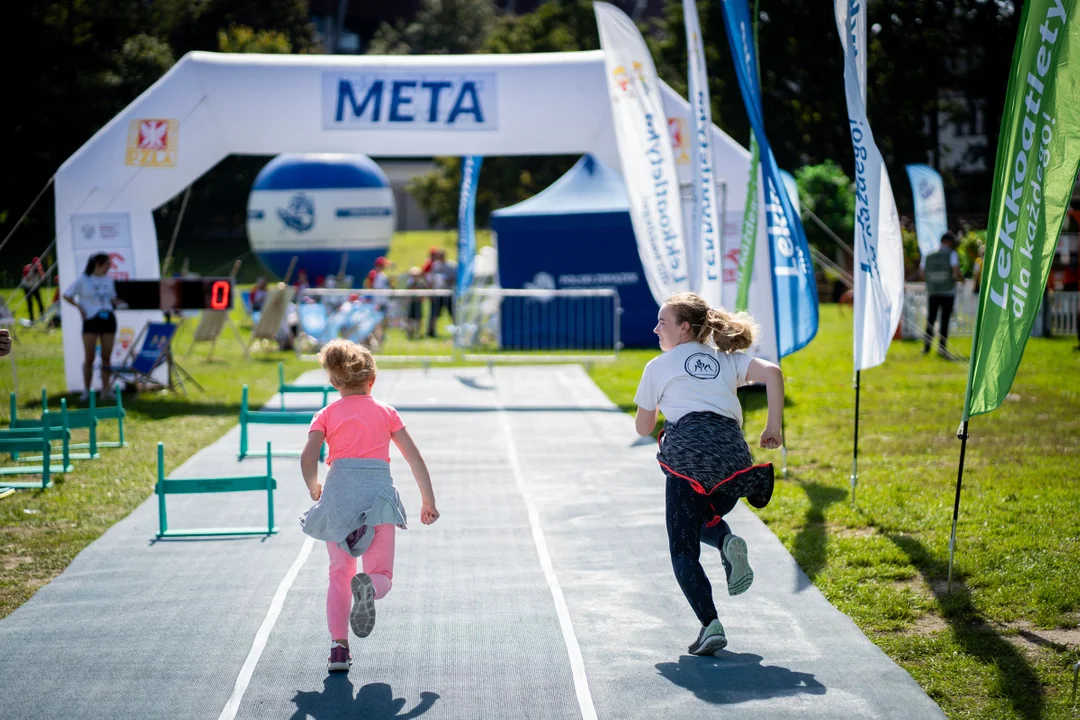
763 371
404 442
69 296
309 463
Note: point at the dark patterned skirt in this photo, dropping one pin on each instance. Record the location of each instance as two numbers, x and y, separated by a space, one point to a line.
708 451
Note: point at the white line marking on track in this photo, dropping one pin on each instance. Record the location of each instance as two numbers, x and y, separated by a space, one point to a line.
573 649
257 647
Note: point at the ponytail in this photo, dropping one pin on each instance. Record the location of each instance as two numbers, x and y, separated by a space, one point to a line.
727 331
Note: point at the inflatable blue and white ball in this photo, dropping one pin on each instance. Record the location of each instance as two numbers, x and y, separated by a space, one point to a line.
317 208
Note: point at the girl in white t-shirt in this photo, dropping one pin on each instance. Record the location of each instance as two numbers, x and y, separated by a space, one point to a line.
703 453
94 294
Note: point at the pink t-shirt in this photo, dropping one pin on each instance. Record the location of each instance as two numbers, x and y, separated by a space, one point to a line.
357 426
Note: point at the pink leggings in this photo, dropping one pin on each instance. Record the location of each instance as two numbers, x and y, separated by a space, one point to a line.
378 562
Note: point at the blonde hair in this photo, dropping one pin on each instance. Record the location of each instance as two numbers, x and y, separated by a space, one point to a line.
726 330
349 365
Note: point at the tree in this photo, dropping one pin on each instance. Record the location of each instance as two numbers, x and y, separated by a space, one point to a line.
828 193
553 27
442 27
242 39
80 62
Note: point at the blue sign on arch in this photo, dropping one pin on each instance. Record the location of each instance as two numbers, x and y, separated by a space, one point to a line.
407 100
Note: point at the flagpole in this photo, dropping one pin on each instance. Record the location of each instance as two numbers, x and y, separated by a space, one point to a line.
962 433
855 453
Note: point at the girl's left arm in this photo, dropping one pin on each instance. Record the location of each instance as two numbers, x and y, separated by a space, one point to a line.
645 421
309 463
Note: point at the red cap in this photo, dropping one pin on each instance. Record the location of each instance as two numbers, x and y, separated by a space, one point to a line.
380 261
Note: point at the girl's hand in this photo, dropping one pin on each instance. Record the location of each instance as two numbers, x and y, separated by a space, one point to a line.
771 438
428 513
315 492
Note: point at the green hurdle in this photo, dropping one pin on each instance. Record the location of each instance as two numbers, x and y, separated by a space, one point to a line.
186 486
283 388
254 417
30 439
84 418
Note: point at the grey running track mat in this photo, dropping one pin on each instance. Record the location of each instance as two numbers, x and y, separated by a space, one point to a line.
138 629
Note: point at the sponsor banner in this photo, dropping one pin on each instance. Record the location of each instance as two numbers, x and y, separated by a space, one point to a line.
97 231
930 219
703 238
879 248
794 286
1037 160
645 153
409 100
470 179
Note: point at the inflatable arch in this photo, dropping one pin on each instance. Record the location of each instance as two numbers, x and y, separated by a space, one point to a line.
212 105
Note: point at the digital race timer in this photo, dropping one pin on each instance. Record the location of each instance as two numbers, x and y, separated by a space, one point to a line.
175 294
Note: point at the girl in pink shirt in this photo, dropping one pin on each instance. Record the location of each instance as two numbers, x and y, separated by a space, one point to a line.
358 508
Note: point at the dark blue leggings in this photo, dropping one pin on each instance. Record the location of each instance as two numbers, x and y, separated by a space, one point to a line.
687 513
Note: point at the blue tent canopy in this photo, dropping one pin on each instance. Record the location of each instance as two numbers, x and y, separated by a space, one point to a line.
575 234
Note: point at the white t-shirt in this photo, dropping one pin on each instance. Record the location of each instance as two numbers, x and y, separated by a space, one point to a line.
694 378
93 292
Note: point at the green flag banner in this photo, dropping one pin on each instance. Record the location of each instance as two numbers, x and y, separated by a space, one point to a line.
749 233
1037 160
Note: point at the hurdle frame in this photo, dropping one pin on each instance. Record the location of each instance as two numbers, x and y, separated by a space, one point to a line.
36 438
295 389
190 486
265 417
88 417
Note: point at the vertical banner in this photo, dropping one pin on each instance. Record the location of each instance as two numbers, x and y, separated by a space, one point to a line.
648 162
930 218
794 286
466 247
704 235
1037 159
748 237
879 248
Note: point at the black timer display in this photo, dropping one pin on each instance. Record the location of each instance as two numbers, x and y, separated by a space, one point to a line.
175 294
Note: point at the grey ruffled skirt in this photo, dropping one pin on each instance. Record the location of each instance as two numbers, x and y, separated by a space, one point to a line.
358 494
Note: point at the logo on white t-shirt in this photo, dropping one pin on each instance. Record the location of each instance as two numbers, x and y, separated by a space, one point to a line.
702 366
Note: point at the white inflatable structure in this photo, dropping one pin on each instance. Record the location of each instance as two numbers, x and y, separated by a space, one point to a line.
210 105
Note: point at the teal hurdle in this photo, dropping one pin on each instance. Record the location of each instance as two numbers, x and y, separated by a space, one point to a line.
85 418
284 388
185 486
30 439
253 417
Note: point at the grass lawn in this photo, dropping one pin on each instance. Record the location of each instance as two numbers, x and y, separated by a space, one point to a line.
1002 644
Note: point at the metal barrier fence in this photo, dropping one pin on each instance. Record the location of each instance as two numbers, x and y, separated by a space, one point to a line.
488 324
1057 317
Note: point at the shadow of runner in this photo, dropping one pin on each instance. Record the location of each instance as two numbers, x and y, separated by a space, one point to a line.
812 541
1016 680
730 678
374 701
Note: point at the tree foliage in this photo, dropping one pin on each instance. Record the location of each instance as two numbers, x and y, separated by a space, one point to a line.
441 27
80 62
553 27
828 193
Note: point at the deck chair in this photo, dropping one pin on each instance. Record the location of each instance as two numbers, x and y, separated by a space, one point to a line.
273 314
147 356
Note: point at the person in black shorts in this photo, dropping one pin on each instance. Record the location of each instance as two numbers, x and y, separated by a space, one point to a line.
94 294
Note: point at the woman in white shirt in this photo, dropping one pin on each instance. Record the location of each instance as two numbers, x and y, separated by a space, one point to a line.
94 294
703 454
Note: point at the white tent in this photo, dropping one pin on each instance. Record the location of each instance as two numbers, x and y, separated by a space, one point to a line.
210 105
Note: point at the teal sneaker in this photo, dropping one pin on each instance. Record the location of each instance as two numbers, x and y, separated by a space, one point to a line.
740 576
710 640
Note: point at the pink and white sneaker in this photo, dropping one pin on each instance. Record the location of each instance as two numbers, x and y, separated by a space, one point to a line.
340 658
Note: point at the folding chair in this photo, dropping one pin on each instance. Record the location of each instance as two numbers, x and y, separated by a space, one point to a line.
147 356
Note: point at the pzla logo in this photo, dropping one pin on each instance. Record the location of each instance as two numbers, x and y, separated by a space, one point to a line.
152 143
